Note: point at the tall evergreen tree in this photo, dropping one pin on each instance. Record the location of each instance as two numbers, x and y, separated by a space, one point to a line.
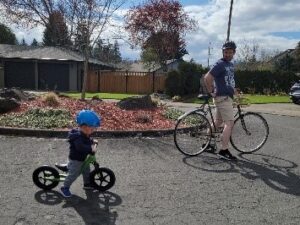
23 42
56 32
34 42
109 53
7 36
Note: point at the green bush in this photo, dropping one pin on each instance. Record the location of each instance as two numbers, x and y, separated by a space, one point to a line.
51 99
172 113
186 80
264 82
174 84
38 118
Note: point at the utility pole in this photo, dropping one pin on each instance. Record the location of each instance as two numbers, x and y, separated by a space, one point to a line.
229 20
209 54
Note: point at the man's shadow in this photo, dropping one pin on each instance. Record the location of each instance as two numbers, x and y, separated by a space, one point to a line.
274 171
95 209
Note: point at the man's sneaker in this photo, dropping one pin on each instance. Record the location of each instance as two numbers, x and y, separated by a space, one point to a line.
65 191
225 154
88 187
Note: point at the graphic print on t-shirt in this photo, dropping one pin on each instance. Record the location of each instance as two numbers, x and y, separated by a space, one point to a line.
229 77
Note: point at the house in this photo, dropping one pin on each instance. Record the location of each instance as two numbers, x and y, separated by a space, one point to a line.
43 68
284 54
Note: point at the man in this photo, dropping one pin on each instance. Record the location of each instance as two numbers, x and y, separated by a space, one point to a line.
220 84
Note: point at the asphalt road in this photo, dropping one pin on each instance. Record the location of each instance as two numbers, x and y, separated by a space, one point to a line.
158 185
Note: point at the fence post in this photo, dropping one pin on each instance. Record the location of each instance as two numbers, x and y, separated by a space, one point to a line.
126 80
99 72
153 81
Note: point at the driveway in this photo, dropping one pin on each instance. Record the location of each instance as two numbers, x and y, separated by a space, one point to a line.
158 185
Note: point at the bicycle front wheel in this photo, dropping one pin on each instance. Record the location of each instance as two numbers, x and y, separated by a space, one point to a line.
192 134
250 132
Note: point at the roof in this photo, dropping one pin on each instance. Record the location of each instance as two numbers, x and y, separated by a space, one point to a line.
44 53
291 52
140 66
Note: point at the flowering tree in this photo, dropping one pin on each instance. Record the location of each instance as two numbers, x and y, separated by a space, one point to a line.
159 25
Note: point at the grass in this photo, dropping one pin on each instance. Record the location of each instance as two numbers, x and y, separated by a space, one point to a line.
116 96
254 99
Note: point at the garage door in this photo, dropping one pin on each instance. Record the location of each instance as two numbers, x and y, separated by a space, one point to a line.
19 74
53 76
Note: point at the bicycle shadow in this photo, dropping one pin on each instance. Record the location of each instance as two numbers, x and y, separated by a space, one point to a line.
274 171
95 209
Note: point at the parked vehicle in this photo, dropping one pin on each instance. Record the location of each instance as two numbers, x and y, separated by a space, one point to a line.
295 93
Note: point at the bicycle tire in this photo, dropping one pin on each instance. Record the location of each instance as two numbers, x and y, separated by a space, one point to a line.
40 174
98 179
249 133
192 134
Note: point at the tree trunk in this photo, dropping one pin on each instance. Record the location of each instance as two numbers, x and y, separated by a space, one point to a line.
85 74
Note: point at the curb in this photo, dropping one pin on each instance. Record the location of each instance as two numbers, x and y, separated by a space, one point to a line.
42 133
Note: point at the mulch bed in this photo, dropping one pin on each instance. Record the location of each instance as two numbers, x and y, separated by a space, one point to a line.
113 118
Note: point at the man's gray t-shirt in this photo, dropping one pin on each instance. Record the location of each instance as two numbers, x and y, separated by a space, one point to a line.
223 73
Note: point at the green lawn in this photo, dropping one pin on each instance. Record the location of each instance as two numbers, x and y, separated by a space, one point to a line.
116 96
254 99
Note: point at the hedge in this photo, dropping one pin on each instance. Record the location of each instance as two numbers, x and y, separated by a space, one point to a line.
264 82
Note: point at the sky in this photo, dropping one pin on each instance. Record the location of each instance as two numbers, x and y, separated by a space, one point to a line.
272 24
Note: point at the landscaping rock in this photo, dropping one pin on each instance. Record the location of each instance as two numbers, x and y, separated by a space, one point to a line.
8 104
137 102
15 93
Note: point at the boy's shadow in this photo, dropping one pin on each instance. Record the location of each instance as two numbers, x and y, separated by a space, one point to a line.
274 171
95 209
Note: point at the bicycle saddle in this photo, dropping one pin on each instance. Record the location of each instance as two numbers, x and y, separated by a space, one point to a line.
205 97
62 166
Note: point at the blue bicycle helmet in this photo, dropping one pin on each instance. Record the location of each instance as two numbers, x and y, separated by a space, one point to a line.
89 118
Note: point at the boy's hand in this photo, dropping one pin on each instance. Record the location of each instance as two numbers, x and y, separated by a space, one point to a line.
94 148
95 141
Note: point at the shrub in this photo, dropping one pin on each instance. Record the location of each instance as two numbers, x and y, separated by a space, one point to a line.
144 118
51 99
176 98
38 118
264 82
172 113
174 84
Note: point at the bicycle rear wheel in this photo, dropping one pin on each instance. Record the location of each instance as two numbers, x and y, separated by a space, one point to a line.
192 134
250 132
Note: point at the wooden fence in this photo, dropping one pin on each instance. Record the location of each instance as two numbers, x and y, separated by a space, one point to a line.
125 82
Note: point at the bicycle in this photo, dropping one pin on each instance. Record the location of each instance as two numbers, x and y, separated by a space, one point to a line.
47 177
193 131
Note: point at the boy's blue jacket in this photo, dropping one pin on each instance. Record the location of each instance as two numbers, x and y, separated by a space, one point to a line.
80 145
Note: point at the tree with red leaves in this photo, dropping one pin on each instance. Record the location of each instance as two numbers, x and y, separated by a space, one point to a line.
159 25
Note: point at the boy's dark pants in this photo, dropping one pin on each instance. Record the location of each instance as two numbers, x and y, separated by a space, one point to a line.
74 168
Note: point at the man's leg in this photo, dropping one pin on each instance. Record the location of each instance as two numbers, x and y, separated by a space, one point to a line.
226 134
225 108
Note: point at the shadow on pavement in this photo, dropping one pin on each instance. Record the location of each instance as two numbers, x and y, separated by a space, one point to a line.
274 171
95 209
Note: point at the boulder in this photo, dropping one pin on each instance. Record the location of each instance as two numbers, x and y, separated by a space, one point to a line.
15 93
8 104
137 102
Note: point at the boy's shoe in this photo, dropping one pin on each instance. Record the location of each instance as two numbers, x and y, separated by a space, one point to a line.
210 148
65 191
225 154
88 187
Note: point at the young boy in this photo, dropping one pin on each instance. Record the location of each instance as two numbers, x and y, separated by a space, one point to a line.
81 144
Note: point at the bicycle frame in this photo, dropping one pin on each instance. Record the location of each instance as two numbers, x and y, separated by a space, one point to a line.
201 109
90 159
